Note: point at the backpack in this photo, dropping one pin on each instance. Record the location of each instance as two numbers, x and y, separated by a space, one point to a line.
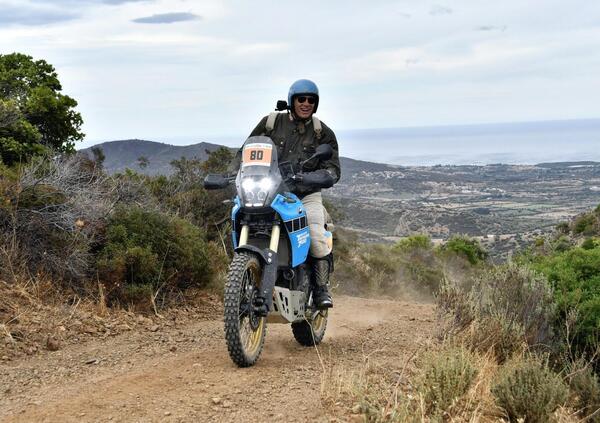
273 117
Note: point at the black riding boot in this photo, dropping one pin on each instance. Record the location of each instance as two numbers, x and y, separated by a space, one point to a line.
321 279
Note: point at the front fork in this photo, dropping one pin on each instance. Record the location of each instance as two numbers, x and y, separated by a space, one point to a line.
273 244
264 301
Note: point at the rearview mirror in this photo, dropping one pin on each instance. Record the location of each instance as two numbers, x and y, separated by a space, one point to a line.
215 181
281 105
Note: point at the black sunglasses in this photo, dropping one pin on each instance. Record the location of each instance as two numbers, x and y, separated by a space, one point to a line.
303 99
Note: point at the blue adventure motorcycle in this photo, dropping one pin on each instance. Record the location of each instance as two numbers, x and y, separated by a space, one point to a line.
268 278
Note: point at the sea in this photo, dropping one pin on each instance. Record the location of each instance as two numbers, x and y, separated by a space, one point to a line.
509 143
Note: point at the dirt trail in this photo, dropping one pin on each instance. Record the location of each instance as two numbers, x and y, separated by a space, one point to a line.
181 374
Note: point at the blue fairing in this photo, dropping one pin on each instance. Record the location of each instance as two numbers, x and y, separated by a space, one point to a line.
294 217
234 211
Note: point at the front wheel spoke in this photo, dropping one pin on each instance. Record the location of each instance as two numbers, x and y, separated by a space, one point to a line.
244 310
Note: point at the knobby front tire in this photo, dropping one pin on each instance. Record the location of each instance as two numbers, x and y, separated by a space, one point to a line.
244 332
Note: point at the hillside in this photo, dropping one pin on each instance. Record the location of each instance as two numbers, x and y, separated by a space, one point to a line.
505 206
125 153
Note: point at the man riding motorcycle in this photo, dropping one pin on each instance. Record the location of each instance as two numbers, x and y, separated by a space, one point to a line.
297 134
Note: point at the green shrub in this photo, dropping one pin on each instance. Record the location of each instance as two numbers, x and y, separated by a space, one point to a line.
136 294
381 259
527 389
590 243
575 277
586 224
445 377
561 244
423 272
467 248
149 248
413 243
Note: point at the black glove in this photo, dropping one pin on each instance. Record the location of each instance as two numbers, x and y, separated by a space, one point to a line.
321 178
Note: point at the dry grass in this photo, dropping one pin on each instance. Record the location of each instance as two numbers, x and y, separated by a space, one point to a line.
505 310
462 382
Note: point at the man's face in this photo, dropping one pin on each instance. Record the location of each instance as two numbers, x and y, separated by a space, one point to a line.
304 105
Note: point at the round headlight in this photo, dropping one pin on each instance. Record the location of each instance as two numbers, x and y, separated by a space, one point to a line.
265 184
248 184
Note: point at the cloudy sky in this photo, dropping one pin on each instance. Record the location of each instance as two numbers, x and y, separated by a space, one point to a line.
185 71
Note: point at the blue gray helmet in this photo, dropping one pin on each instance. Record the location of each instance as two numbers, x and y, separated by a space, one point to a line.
303 87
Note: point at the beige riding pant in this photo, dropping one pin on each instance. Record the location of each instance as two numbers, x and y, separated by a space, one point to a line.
321 240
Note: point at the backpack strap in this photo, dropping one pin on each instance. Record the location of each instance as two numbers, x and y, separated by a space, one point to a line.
317 127
271 122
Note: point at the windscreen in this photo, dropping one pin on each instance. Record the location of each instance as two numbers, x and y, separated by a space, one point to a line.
257 157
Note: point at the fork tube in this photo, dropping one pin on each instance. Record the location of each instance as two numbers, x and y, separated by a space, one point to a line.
243 236
274 238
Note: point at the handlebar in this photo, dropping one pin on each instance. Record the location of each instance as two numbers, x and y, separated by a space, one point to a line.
216 181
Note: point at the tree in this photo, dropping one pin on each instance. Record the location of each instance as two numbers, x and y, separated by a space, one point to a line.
143 162
99 156
217 160
34 115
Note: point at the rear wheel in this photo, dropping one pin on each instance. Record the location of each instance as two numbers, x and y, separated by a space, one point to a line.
244 330
311 331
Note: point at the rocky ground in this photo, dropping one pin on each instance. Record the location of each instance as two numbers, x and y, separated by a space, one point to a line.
177 369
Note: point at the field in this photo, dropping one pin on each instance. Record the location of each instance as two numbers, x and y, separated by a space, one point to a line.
505 206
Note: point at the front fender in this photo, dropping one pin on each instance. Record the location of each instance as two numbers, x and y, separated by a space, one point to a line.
268 260
265 256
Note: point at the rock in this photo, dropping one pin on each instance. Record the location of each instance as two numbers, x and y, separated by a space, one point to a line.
167 413
173 348
90 330
227 404
153 328
356 409
52 344
216 400
92 361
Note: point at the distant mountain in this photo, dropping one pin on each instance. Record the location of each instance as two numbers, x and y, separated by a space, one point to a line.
125 153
